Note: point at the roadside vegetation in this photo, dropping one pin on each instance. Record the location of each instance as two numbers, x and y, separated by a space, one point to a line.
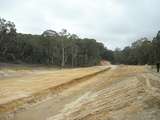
68 50
51 47
141 52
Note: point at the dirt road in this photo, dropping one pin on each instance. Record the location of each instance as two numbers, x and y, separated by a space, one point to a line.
121 93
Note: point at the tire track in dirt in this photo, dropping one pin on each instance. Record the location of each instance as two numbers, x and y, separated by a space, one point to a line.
125 96
118 94
34 98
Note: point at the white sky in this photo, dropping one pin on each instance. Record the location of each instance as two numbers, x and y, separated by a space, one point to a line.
116 23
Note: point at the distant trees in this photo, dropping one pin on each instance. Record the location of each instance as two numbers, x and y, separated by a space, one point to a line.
50 33
156 47
141 52
68 50
61 49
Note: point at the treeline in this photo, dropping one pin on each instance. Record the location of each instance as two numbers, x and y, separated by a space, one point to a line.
68 50
61 49
141 52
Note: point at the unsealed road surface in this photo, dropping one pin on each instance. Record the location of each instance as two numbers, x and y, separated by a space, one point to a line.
121 93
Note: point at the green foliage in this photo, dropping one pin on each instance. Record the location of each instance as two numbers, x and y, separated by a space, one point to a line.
68 50
7 40
61 49
141 52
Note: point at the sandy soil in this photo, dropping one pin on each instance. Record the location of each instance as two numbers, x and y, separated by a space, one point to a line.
122 93
18 70
16 90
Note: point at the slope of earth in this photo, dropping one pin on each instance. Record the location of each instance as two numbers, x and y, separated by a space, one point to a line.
16 70
122 93
15 91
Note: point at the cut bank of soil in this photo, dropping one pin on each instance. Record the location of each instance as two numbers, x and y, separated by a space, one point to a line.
122 93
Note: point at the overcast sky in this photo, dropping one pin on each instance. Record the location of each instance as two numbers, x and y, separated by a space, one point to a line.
116 23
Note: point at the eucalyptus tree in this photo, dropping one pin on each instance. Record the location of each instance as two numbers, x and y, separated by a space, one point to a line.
7 39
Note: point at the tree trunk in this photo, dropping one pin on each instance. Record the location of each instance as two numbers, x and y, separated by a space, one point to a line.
63 50
72 58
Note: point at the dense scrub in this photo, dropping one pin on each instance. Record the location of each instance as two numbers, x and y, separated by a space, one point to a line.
61 49
68 50
141 52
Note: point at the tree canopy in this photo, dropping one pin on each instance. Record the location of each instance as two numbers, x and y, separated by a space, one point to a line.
142 51
56 48
68 50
